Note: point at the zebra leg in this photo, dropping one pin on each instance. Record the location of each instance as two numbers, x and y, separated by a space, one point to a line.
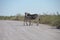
24 22
37 22
29 22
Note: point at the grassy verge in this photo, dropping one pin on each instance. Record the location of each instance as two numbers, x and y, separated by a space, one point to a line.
44 19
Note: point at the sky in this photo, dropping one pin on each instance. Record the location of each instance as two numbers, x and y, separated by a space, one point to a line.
13 7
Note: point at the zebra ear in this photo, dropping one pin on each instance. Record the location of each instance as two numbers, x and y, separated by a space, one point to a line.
25 12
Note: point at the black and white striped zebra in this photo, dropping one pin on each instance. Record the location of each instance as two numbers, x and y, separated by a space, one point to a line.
29 17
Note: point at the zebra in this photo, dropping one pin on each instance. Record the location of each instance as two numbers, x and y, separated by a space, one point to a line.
29 17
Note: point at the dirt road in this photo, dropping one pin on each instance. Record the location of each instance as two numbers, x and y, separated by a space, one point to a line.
15 30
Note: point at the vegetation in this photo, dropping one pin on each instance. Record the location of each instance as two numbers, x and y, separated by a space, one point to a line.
44 19
50 19
16 17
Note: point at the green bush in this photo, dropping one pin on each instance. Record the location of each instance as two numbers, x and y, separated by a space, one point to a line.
50 19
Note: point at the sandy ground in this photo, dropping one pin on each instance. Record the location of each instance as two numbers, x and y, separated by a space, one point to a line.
15 30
